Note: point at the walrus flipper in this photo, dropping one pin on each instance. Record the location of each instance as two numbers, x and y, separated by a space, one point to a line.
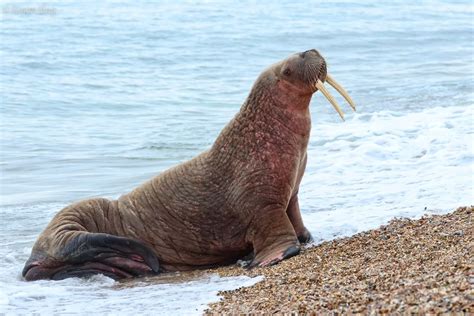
87 254
274 240
294 214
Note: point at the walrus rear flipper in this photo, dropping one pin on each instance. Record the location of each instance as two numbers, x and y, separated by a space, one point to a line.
94 253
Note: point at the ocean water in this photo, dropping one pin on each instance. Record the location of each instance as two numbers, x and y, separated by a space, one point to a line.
97 97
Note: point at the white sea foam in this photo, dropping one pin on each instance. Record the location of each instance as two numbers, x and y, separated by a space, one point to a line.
100 295
378 166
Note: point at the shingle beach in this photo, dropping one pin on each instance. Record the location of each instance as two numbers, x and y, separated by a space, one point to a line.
408 266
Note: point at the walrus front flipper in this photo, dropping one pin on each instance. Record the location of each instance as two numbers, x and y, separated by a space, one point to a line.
294 214
94 253
274 239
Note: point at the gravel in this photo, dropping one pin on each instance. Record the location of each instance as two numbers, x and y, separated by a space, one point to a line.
408 266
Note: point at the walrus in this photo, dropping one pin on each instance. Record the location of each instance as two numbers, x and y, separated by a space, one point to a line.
238 199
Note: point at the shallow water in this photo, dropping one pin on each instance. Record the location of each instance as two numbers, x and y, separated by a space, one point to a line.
98 97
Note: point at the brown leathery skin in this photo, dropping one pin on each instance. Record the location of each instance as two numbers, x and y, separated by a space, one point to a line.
238 197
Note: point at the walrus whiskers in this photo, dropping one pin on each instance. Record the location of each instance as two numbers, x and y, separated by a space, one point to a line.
341 90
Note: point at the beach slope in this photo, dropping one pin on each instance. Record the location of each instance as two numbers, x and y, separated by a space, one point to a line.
420 266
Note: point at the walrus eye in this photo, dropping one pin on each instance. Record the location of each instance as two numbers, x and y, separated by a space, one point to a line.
287 72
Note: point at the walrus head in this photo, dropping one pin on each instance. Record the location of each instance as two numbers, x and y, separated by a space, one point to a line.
302 74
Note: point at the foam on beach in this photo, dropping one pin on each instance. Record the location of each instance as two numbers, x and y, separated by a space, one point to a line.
378 166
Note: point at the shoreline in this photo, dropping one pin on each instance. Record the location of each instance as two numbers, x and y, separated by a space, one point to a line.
414 266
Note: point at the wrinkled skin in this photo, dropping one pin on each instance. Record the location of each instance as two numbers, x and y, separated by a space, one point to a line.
238 199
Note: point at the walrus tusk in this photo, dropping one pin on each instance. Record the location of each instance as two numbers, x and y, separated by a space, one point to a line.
341 90
330 98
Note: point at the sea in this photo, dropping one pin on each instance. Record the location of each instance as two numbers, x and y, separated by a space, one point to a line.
99 96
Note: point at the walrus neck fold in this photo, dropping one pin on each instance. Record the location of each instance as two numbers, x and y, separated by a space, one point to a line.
289 97
263 118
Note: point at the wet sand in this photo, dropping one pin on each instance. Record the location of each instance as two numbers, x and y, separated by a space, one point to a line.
407 266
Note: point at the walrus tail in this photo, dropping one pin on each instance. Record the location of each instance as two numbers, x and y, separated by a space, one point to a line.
70 248
93 253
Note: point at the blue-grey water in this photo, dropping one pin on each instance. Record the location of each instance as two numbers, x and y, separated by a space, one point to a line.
97 97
